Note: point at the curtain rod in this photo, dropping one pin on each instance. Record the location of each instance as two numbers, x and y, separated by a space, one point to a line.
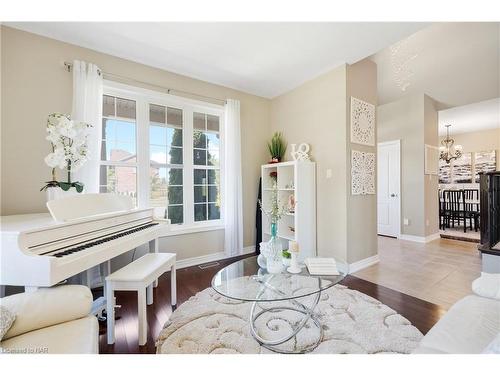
68 66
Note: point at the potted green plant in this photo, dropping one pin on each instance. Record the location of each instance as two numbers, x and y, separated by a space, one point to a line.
277 147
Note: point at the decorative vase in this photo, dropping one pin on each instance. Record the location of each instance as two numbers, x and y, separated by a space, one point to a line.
274 252
261 259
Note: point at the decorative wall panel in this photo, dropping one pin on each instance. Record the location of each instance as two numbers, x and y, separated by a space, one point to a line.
362 122
362 173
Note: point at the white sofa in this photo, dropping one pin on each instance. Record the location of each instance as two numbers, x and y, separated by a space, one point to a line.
51 320
468 327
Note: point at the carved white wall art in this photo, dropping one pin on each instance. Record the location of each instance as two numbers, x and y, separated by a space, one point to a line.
362 173
403 56
302 153
362 122
431 164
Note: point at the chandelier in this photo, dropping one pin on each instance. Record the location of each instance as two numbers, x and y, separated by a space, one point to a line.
448 151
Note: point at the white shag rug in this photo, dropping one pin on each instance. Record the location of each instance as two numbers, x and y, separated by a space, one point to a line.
352 323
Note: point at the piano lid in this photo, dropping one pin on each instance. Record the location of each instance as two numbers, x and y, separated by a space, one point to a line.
15 224
86 205
68 210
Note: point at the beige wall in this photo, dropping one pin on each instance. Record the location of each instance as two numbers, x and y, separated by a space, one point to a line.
35 84
318 113
404 120
483 140
431 181
315 113
361 209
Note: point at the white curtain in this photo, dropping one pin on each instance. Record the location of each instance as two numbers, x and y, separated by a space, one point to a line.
233 241
87 107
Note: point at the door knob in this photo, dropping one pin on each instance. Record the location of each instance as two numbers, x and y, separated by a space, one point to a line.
393 195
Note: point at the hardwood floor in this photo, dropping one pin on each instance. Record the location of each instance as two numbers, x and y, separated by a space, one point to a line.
440 272
194 279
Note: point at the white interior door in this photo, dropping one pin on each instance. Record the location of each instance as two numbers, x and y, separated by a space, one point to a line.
388 189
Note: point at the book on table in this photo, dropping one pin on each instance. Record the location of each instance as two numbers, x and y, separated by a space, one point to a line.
322 266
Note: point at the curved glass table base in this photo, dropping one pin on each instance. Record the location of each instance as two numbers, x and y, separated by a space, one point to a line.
273 344
245 281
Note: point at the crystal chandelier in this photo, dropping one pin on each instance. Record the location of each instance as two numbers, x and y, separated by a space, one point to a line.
448 151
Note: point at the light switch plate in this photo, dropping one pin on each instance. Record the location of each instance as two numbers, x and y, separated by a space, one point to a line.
406 221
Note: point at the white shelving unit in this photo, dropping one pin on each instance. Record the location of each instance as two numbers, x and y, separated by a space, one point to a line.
297 178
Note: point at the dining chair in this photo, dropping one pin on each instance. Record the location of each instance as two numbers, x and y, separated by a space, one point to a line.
442 217
454 208
471 207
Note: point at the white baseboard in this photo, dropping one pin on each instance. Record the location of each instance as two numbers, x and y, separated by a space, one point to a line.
420 239
189 262
432 237
363 263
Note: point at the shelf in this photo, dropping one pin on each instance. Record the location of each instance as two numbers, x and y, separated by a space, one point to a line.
289 238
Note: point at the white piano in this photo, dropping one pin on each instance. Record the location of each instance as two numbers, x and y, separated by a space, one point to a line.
81 231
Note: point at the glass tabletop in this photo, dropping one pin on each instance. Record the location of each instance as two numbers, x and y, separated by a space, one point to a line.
245 281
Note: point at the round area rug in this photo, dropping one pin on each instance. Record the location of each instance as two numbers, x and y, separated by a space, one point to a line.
352 323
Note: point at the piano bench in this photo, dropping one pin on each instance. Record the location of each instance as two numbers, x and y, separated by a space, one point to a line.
139 276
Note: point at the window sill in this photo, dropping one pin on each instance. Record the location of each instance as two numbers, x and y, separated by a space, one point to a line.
192 229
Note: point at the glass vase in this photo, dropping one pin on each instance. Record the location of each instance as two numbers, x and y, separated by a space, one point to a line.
274 250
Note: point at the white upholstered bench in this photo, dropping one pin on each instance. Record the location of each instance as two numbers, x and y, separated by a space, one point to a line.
139 276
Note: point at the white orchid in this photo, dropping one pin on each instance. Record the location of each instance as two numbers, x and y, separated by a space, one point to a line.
56 159
69 143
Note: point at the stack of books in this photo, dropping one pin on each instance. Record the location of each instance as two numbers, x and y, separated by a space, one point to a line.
322 266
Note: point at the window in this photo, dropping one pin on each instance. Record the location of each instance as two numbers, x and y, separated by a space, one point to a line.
206 171
118 172
165 152
166 161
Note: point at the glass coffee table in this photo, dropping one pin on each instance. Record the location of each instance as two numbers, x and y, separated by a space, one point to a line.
245 281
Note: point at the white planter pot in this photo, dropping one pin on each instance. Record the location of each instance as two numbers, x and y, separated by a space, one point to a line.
54 193
287 262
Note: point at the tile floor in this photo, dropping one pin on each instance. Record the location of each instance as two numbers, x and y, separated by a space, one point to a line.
458 233
440 271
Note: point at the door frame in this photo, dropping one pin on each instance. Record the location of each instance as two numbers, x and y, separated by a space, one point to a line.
397 143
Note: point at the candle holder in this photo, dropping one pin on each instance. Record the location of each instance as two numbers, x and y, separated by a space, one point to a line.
294 264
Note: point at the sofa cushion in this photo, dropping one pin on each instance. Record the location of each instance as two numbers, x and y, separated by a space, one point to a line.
6 320
488 285
468 327
75 337
494 346
46 307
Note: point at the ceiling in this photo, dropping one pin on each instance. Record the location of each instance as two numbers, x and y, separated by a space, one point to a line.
472 117
454 63
265 59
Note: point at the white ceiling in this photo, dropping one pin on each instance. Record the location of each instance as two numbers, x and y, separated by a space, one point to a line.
265 59
454 63
472 117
